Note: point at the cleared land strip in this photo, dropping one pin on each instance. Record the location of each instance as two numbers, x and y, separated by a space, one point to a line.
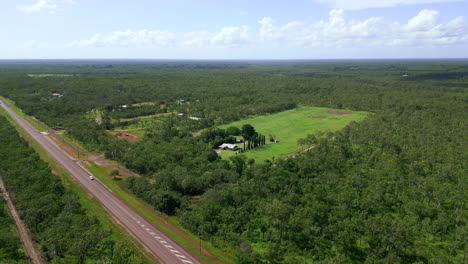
31 251
156 242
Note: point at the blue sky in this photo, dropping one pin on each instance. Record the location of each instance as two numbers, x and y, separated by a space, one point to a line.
241 29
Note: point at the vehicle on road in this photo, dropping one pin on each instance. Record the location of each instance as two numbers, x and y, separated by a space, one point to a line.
91 177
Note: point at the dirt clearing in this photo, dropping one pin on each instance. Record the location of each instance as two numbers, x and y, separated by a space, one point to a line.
339 112
132 138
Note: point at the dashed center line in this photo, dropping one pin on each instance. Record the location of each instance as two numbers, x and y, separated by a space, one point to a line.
171 248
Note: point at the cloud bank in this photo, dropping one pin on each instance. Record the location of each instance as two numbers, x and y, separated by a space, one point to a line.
423 30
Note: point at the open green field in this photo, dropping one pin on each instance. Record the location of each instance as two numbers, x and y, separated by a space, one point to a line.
289 126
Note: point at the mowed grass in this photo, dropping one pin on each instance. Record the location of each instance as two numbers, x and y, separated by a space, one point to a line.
289 126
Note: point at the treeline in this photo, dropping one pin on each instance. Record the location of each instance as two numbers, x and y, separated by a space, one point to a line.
63 230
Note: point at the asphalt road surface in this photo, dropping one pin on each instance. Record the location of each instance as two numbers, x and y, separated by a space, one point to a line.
160 245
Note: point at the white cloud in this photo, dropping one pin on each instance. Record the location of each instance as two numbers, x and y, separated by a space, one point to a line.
425 20
231 37
337 31
227 37
424 29
128 38
43 5
363 4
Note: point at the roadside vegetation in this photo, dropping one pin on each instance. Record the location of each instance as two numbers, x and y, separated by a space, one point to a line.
387 188
63 230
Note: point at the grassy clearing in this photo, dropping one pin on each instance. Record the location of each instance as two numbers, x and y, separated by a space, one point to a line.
49 75
144 103
289 126
91 206
141 122
104 176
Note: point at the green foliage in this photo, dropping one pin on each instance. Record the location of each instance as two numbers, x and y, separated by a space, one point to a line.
233 131
248 131
389 189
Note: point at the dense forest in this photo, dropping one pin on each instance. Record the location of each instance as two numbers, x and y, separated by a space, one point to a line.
11 250
389 189
63 230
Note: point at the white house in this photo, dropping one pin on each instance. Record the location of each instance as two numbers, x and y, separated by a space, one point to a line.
195 118
229 146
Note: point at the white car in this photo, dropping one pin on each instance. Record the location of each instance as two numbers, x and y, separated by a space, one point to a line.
91 177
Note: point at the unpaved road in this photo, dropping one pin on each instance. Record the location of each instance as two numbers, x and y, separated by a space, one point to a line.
31 251
156 242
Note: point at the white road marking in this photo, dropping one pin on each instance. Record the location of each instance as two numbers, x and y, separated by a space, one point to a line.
174 251
180 256
168 246
153 233
147 229
187 261
164 242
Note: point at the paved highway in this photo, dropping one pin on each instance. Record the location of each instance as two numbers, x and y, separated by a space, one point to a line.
156 242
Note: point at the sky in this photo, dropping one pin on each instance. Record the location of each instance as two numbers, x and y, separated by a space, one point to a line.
240 29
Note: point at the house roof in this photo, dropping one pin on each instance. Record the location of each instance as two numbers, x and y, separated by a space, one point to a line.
229 146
